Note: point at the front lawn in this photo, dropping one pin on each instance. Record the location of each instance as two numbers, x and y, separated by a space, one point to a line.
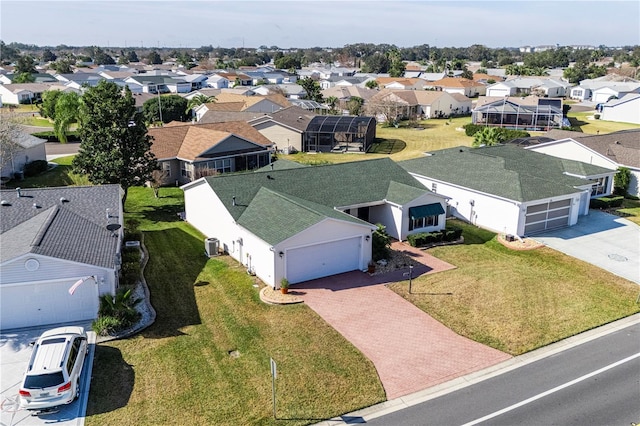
517 301
631 210
587 123
205 360
62 175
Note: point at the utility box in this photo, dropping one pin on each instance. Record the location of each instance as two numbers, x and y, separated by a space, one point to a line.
211 246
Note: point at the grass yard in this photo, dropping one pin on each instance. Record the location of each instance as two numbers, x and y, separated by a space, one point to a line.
631 208
517 301
184 368
401 143
588 124
62 175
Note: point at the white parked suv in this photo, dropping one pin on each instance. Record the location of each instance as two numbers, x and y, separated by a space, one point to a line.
53 374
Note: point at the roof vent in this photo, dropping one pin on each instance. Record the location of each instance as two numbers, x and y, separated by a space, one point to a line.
233 200
5 203
617 142
63 200
18 192
36 206
270 177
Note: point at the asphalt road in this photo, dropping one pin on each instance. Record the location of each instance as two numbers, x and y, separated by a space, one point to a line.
596 383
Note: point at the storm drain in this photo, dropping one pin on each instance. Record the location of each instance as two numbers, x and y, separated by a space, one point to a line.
617 257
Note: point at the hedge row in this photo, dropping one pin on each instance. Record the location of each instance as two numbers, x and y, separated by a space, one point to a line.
507 134
50 136
606 202
425 238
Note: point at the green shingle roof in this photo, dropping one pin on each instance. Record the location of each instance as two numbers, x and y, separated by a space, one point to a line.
506 171
276 204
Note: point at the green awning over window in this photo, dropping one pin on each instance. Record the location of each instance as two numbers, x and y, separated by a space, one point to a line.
427 210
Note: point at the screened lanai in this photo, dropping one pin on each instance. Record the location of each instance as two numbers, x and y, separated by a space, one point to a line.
543 115
337 133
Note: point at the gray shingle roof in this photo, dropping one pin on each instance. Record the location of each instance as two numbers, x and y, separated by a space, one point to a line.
73 230
506 171
274 203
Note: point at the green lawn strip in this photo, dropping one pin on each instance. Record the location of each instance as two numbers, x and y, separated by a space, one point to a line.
184 366
517 301
62 175
588 124
631 208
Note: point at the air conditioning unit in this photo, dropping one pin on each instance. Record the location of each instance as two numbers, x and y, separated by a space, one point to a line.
211 246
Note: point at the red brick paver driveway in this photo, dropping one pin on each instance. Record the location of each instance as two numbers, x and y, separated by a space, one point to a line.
410 350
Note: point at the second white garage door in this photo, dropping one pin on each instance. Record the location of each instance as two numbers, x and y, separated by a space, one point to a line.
322 260
549 215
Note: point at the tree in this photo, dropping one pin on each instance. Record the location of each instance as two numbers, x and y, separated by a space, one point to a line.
621 181
26 65
312 88
115 146
488 136
48 106
371 84
165 109
158 178
66 113
332 101
23 77
287 62
9 146
354 105
197 101
154 58
62 66
376 63
48 56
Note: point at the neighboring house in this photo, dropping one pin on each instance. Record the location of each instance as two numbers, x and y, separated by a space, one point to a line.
529 113
613 150
22 93
604 94
344 81
80 78
158 84
462 86
523 86
392 104
37 78
285 128
310 222
295 129
217 81
400 83
51 239
291 91
208 92
511 190
624 110
237 79
240 103
31 149
189 151
620 84
345 93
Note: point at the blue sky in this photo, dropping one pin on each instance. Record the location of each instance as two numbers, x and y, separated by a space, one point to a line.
328 23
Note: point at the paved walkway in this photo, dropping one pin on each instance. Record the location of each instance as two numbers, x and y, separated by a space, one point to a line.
410 350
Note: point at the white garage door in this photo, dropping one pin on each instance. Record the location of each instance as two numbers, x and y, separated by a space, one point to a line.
322 260
29 305
549 215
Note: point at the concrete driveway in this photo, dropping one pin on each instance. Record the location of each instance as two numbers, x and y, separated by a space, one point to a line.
601 239
15 352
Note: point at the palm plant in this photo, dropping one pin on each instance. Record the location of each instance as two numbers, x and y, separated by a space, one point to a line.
199 100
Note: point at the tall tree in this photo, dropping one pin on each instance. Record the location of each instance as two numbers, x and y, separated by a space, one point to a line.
115 145
199 100
354 105
165 109
48 106
66 113
25 64
9 146
154 58
312 88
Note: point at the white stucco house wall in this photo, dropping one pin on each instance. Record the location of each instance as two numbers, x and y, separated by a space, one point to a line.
57 258
31 149
623 110
509 190
283 223
611 151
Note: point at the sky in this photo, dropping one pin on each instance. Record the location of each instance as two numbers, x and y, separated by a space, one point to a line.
328 23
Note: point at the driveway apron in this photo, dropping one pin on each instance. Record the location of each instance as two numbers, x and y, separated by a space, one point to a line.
601 239
410 350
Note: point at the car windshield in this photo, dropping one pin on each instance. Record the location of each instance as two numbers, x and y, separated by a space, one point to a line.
42 381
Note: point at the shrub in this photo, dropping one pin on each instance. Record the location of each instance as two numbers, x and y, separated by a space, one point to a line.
421 239
50 136
106 325
471 129
621 180
35 167
121 307
380 244
130 272
510 134
606 202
